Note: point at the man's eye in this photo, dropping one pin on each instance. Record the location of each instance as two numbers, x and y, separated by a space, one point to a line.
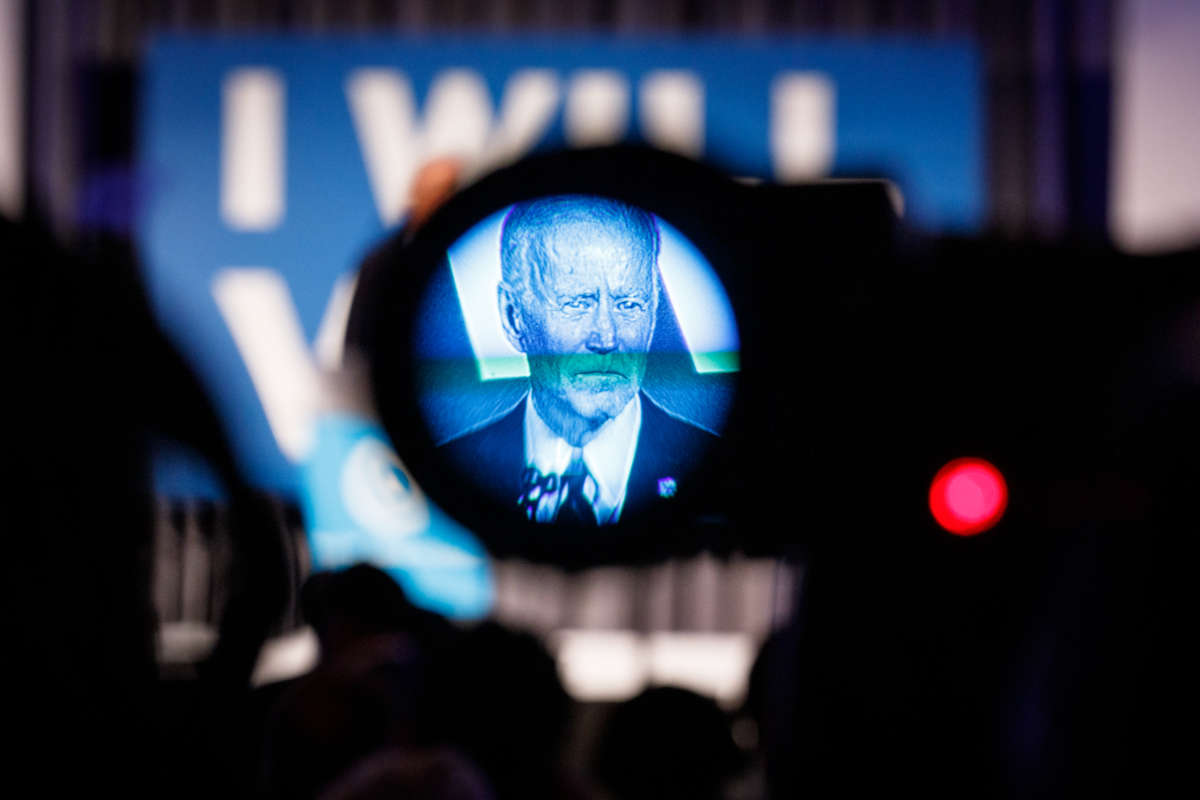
578 303
629 305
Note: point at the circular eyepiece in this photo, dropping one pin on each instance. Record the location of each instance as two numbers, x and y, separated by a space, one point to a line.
562 352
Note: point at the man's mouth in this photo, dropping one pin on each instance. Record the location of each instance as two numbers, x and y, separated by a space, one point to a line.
600 375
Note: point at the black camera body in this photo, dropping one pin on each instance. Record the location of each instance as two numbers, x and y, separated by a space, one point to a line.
869 359
864 357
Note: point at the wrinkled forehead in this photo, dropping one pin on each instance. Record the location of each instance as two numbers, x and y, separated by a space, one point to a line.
584 250
580 238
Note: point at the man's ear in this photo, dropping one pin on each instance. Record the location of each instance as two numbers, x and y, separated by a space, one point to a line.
510 318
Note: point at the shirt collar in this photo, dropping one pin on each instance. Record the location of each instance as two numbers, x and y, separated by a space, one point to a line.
609 455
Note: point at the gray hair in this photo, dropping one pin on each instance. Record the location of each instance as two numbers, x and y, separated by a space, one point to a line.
523 239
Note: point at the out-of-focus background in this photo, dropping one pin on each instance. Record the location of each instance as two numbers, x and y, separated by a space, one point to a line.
1085 103
251 153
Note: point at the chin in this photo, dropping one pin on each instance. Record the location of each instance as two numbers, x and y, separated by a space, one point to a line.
599 407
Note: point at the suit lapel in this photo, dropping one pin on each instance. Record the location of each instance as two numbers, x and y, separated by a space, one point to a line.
642 488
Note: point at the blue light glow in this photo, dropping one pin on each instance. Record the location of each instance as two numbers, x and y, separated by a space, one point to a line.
702 310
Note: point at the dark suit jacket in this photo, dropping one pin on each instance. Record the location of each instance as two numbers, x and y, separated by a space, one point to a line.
668 447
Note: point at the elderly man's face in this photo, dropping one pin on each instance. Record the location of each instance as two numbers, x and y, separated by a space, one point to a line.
588 325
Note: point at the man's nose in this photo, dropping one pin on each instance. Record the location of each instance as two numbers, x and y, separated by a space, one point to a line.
602 338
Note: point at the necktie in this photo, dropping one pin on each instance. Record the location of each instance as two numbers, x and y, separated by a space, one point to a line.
576 507
553 497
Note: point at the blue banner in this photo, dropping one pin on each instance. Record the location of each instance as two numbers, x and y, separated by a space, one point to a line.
274 163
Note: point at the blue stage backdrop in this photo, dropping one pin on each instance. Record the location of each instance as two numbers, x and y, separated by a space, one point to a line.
273 163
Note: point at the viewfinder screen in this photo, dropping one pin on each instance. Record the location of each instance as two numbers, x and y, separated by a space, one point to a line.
575 359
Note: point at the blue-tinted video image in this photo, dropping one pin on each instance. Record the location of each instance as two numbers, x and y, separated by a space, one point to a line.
576 356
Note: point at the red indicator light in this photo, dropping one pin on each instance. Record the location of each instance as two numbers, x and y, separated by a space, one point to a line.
968 496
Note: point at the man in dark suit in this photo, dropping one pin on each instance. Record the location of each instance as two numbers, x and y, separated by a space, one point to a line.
578 296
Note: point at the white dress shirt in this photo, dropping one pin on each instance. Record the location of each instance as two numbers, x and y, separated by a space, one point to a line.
608 456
